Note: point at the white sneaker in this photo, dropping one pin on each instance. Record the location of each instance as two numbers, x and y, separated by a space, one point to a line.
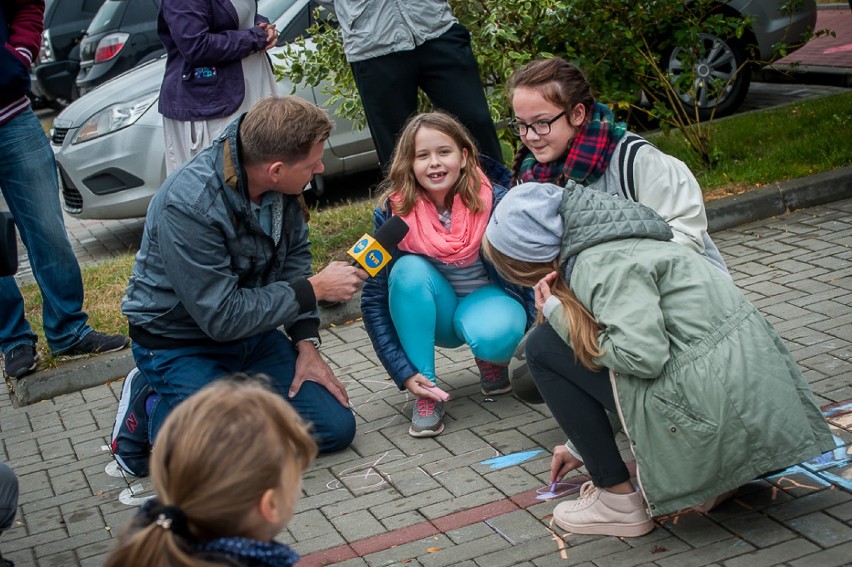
600 512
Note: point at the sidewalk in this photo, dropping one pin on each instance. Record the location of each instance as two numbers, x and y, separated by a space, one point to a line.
468 496
825 60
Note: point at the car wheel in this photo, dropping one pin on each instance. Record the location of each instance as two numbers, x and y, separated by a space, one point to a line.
721 76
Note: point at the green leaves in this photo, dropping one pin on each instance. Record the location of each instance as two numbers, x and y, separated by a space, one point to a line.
619 45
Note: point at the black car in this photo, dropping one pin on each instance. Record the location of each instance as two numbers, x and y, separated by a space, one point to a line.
54 71
122 35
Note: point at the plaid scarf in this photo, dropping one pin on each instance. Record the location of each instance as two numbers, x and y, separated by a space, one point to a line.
588 155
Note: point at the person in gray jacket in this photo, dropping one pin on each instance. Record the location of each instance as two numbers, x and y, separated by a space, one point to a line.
394 48
705 390
222 282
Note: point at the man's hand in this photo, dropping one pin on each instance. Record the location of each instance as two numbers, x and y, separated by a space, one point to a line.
337 282
562 463
311 366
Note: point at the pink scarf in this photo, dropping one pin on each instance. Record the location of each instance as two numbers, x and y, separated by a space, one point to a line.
460 246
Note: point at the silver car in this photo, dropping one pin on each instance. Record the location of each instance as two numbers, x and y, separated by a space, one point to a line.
109 143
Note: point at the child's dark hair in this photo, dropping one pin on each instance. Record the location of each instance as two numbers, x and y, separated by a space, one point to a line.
216 455
559 82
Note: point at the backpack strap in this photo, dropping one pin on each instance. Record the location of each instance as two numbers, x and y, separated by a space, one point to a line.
629 148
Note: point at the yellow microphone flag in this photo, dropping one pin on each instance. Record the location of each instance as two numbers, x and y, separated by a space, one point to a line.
369 254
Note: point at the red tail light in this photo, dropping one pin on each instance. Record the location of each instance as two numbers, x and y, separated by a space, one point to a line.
110 46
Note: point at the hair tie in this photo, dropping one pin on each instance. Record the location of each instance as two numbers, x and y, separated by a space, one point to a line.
170 518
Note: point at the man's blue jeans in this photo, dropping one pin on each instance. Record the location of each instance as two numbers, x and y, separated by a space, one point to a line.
175 374
29 184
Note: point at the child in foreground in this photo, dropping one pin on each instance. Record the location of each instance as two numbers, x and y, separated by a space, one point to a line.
438 291
227 473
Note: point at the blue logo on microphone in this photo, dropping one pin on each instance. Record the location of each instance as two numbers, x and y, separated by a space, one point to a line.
374 259
360 245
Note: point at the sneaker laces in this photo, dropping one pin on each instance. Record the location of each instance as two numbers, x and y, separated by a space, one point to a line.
489 371
425 406
587 490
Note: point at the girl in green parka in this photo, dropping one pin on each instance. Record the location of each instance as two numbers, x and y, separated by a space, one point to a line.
707 393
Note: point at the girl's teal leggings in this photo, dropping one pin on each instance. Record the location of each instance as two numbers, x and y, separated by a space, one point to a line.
427 313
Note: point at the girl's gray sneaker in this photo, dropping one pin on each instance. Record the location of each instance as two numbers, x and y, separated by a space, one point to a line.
427 419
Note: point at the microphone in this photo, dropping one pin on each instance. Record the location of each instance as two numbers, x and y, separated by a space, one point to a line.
371 252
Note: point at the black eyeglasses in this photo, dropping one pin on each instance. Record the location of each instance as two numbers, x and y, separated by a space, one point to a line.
540 127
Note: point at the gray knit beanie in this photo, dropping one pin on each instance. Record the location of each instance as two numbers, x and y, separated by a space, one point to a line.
526 224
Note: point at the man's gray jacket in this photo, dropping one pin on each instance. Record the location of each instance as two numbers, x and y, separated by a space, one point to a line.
206 272
372 28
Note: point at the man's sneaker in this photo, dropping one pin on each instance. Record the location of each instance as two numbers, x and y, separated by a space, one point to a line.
427 419
600 512
21 360
493 378
97 343
130 444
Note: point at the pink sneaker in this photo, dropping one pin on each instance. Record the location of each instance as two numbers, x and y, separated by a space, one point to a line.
599 512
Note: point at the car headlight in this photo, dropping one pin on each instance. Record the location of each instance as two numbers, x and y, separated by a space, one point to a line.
114 118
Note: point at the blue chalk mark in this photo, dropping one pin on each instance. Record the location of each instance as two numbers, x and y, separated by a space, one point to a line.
830 459
838 480
799 469
510 460
840 409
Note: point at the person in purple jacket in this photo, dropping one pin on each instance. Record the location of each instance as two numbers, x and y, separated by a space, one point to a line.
216 69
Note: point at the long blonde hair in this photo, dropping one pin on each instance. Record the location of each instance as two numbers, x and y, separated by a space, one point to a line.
582 325
214 458
401 178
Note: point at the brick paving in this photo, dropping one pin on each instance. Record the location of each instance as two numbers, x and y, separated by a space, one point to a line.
829 50
468 496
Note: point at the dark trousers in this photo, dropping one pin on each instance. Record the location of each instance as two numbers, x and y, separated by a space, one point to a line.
446 70
8 497
579 399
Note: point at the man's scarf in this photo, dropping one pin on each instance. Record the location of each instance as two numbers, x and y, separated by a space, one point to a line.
588 155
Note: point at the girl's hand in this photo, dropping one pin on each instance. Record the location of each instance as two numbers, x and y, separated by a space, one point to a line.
562 463
419 386
542 290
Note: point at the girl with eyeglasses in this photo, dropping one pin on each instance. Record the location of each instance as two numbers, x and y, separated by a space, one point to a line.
567 135
569 138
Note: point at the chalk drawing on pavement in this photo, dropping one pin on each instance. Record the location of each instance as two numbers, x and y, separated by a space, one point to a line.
130 495
504 461
368 475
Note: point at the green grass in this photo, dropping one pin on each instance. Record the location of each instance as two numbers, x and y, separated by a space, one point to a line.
760 148
753 149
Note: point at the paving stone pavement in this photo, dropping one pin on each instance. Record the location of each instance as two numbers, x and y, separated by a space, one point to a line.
468 496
